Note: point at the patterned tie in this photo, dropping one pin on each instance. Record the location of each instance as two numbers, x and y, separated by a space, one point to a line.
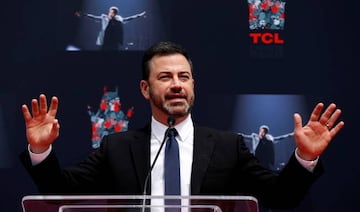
172 168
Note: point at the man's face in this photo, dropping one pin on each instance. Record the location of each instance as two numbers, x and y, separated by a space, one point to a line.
170 88
262 133
111 14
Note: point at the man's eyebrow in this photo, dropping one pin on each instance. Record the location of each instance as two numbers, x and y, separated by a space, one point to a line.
185 72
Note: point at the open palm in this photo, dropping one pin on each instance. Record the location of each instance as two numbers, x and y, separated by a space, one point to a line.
313 138
42 127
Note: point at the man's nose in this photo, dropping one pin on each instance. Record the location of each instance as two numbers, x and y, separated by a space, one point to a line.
176 84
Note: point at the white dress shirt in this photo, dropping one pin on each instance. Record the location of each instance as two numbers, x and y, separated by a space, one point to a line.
185 140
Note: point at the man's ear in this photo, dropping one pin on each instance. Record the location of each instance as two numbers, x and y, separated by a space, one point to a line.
144 87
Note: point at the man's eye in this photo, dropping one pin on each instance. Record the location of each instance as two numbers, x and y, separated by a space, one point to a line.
164 77
184 77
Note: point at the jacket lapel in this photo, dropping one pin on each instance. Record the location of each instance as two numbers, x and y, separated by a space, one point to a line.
204 144
140 150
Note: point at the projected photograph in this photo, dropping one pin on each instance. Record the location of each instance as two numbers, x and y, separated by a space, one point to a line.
266 122
93 25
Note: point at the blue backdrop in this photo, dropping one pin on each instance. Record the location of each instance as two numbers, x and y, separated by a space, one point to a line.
317 62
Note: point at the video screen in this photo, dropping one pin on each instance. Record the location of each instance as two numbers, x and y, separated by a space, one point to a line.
94 25
265 121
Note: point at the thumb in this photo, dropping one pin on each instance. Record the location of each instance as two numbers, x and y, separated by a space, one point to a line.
297 121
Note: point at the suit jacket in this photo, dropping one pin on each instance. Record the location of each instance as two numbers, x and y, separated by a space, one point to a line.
222 165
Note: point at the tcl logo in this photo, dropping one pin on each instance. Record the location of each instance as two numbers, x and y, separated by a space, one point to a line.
266 38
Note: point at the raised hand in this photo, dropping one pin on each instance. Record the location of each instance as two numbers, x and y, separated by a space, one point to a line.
42 127
313 138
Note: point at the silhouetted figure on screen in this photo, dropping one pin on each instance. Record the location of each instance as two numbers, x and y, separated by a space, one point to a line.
111 34
262 145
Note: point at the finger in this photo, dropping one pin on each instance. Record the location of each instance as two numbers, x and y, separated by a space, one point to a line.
327 113
26 113
316 112
336 129
53 106
34 107
55 129
297 121
332 120
43 104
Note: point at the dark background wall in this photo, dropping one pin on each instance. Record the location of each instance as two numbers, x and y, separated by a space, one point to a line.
318 62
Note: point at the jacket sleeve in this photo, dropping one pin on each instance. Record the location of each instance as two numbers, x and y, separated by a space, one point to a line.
50 178
283 190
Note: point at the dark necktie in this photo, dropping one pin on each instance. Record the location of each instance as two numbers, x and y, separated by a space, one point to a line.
172 168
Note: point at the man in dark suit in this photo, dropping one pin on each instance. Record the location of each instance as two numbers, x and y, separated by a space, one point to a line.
212 162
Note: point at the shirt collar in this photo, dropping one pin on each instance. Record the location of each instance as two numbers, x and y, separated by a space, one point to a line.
183 128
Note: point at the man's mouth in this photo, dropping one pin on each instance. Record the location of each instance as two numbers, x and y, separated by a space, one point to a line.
175 96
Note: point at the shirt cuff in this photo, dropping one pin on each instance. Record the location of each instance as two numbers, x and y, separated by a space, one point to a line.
307 164
38 158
